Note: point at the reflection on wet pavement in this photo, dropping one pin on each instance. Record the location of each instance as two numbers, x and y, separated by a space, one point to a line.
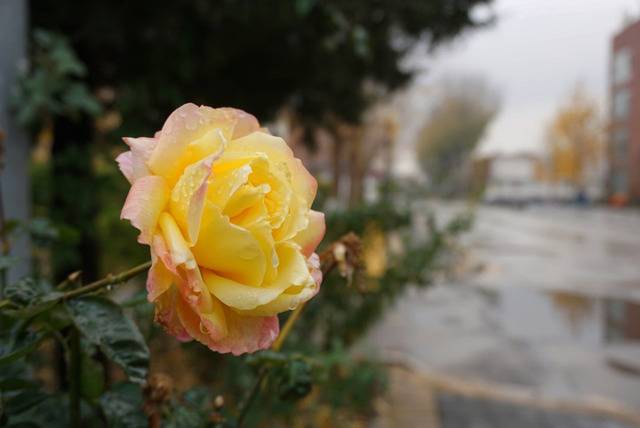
561 316
550 302
459 411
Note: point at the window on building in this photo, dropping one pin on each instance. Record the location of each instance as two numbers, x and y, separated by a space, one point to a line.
622 64
620 182
620 144
621 104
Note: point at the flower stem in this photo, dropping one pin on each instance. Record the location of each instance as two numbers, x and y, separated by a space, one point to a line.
106 281
262 374
75 373
277 345
96 285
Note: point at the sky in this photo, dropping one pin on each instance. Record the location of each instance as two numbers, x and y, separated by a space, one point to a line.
534 55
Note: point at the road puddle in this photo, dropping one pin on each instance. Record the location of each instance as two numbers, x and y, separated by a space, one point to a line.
559 316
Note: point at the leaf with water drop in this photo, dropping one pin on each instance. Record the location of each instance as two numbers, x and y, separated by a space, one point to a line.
104 324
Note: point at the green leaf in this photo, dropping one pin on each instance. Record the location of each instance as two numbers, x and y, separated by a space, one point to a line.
7 261
303 7
92 380
50 411
14 384
273 358
23 401
35 308
14 351
294 380
184 416
104 324
42 231
32 296
122 406
26 290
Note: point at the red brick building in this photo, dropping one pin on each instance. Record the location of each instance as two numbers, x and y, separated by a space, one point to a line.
624 134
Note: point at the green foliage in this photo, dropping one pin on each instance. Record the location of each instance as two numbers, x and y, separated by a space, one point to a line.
34 313
92 375
311 55
31 296
23 400
16 344
104 324
346 312
122 406
194 408
52 85
338 382
37 409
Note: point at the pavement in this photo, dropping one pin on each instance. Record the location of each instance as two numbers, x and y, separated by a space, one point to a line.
544 306
458 411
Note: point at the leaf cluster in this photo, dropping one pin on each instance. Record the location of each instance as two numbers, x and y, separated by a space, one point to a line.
53 83
35 313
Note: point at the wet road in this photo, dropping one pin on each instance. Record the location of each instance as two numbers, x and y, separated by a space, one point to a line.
549 302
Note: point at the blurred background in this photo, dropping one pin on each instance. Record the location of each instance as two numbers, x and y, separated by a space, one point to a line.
486 152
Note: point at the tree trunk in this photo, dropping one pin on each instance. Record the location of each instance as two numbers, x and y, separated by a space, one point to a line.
336 165
356 170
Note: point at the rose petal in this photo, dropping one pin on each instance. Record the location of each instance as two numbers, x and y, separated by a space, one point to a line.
187 124
293 276
147 198
310 238
175 242
243 122
167 315
295 220
125 163
141 149
231 250
159 278
244 334
247 334
188 196
314 268
277 150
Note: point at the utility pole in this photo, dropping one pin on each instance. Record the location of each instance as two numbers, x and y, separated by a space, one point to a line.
14 157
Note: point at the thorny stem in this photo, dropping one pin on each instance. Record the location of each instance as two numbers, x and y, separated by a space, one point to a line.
97 285
106 281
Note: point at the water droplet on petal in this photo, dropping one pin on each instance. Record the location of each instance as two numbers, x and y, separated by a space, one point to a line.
203 328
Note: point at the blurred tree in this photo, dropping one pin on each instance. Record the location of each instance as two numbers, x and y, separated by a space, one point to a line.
462 111
575 140
314 56
254 55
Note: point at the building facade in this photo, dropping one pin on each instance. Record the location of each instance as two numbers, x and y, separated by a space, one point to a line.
624 130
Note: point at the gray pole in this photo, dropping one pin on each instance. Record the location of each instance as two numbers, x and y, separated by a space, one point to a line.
14 177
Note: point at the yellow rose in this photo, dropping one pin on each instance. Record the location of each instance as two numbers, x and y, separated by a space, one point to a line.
226 210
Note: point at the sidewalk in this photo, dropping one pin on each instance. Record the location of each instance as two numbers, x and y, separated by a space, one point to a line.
419 400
